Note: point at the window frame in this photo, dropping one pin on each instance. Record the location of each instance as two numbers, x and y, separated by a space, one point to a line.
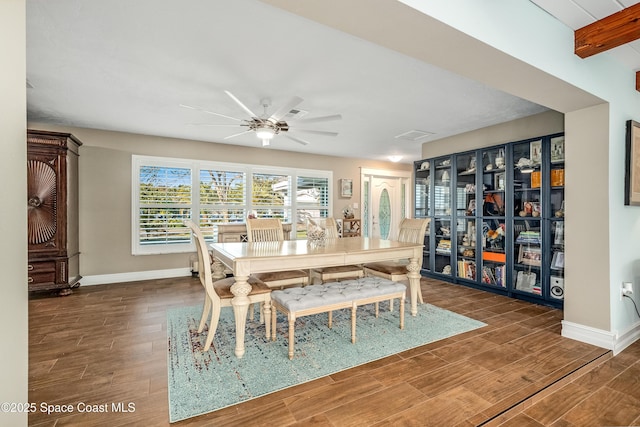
196 166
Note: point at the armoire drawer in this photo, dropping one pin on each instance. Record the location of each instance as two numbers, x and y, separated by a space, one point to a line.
41 272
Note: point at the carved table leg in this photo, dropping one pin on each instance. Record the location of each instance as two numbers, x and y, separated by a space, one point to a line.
240 302
414 283
217 270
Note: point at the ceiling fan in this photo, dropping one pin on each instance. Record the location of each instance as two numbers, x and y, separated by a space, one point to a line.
265 127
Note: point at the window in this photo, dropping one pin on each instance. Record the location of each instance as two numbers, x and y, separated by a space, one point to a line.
168 191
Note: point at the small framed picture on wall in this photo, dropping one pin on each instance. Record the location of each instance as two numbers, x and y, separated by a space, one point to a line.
346 187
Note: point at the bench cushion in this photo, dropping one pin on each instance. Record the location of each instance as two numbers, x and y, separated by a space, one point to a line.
296 299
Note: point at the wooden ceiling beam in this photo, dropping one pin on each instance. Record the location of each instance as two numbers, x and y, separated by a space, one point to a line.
613 31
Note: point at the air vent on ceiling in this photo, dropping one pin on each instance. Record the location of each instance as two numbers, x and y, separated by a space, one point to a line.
295 114
414 135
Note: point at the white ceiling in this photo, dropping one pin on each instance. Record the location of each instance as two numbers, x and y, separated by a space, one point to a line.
126 66
579 13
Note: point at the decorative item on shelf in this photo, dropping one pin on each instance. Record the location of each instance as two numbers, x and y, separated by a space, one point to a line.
500 159
535 148
445 162
446 231
494 237
445 177
347 212
488 167
471 210
536 179
472 165
530 255
470 188
470 253
525 165
526 281
560 212
557 177
499 181
424 166
557 149
493 204
446 270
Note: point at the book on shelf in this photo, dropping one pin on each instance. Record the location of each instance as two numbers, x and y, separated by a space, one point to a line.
444 247
467 269
501 276
487 276
529 237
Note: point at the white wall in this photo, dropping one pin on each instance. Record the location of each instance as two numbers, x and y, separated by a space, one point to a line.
14 356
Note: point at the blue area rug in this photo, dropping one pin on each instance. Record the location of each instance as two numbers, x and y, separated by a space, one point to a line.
204 382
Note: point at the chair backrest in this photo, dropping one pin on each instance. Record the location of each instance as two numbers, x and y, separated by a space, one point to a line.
204 266
413 230
328 224
264 230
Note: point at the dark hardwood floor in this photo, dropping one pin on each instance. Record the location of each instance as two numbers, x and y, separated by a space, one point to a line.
107 344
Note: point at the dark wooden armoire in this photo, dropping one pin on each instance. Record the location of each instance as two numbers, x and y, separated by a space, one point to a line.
52 206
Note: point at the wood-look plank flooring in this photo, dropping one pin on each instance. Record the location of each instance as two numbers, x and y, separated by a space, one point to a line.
107 344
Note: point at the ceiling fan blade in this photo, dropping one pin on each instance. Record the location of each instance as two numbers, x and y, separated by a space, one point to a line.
282 111
210 112
244 107
298 140
237 134
319 119
211 124
317 132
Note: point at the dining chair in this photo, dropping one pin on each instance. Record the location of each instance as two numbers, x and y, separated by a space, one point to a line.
218 294
411 231
270 230
325 274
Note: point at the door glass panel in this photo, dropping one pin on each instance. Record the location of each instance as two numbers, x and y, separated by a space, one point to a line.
385 214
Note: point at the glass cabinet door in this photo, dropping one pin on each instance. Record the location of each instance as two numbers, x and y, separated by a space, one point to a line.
466 212
527 265
556 243
442 187
443 246
493 182
442 214
423 190
466 247
494 257
527 179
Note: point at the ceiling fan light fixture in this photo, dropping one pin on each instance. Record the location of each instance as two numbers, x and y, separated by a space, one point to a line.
265 133
395 159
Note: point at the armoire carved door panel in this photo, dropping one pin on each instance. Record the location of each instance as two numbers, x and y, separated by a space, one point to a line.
52 230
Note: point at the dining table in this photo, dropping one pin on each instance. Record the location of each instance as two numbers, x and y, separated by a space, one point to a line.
246 258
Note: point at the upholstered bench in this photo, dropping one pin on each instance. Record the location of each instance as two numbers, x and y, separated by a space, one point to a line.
314 299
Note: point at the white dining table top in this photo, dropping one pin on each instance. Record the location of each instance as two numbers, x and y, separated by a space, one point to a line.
245 250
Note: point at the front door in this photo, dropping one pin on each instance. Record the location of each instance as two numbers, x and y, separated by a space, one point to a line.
385 207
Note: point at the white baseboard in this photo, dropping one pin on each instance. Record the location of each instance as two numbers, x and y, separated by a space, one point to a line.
589 335
626 338
605 339
103 279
